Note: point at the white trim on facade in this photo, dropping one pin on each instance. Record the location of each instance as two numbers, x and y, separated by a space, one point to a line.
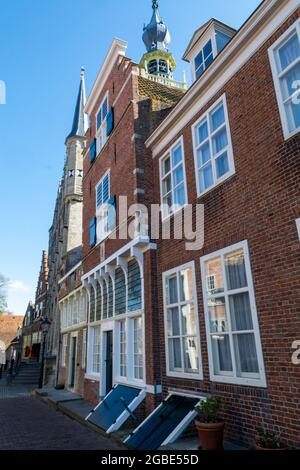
225 378
298 227
118 48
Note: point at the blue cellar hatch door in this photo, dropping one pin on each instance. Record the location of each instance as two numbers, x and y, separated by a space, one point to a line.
165 424
116 407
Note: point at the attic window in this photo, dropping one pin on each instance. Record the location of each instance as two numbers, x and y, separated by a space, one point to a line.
204 59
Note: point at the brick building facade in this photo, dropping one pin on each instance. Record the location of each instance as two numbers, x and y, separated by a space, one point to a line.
241 150
152 312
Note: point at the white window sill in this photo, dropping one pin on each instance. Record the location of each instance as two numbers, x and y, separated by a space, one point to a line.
220 181
260 383
185 375
92 377
288 135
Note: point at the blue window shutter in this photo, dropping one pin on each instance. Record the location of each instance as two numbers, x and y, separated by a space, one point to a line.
110 122
93 225
93 150
111 213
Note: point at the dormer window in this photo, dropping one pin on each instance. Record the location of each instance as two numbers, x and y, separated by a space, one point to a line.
207 42
204 59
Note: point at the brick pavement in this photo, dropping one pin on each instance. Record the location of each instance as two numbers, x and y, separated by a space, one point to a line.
28 424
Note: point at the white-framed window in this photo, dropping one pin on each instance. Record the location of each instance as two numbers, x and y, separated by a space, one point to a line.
285 63
234 347
213 152
64 350
181 323
173 180
84 345
298 227
101 124
138 356
204 58
102 205
123 348
96 349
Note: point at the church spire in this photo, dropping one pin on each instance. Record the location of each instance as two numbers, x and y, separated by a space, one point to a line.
80 121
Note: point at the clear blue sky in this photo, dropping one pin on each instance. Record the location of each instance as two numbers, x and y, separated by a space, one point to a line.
43 44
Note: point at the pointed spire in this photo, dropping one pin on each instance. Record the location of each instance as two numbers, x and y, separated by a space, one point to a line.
156 34
80 121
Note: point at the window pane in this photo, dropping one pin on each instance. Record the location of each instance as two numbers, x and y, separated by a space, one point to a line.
222 165
179 196
202 132
289 52
188 320
134 286
245 351
235 270
293 115
104 305
138 348
203 154
207 50
176 155
209 60
104 109
222 40
217 118
221 354
186 284
220 140
190 354
174 354
173 322
178 175
214 268
99 302
167 202
172 297
240 310
166 165
199 71
166 185
120 292
198 60
289 82
217 315
206 178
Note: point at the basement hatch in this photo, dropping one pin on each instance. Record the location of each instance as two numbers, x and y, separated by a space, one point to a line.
167 422
116 407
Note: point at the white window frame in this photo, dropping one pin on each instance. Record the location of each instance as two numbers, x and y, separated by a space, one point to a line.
101 212
64 350
298 227
234 379
92 364
84 346
101 137
167 154
228 149
182 374
276 76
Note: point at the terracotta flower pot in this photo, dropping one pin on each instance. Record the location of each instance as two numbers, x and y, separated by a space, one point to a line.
210 435
258 447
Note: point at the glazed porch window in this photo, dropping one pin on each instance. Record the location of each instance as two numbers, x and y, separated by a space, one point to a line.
96 350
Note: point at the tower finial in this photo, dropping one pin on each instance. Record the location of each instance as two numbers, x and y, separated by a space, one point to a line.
154 4
82 71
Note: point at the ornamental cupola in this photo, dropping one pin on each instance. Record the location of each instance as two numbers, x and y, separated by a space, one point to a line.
157 60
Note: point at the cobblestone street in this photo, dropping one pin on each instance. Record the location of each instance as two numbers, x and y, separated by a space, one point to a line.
28 424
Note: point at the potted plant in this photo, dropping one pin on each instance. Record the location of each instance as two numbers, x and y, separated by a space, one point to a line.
210 425
268 441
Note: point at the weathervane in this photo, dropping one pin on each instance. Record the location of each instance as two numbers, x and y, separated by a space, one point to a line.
154 4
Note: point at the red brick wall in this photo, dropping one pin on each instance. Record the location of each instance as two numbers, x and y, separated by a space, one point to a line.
259 204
